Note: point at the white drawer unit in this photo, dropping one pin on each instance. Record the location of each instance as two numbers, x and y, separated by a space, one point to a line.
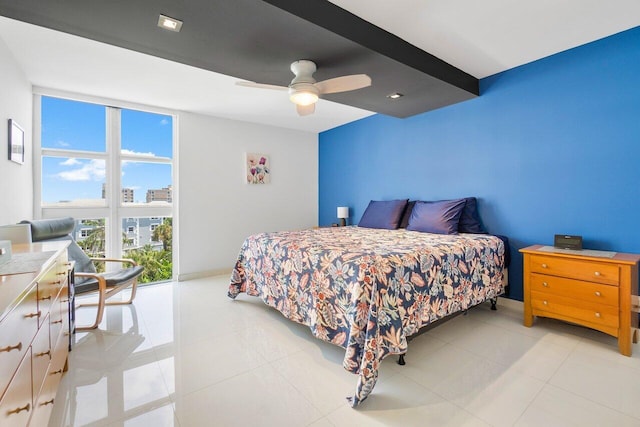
34 335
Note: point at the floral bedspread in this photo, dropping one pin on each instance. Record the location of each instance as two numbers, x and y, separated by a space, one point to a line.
367 290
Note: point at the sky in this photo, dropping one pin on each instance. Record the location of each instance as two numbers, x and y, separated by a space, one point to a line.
73 125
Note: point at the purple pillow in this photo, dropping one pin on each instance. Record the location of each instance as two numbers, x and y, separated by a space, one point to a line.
383 214
469 219
436 217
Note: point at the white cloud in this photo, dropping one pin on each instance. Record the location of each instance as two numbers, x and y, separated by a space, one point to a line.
164 122
93 170
63 144
71 162
131 152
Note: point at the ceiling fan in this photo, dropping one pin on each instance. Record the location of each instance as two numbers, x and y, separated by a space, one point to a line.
304 91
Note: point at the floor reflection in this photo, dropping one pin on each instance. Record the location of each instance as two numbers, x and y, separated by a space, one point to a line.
114 376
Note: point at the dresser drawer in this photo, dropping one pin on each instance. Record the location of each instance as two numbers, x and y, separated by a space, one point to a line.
16 405
59 320
590 271
18 329
570 288
49 286
595 314
40 357
43 405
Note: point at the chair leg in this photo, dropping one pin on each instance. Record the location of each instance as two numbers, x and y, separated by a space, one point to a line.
102 303
99 314
131 297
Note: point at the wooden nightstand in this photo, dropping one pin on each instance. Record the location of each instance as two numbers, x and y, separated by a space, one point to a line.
588 290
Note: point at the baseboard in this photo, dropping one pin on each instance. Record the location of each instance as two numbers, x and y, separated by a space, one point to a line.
202 274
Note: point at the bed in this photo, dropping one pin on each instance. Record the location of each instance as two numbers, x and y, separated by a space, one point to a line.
368 290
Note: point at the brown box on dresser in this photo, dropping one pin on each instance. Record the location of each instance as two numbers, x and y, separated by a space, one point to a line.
588 290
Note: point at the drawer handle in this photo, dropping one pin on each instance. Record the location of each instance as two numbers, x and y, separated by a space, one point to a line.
598 293
59 371
544 265
545 284
26 407
44 353
48 402
545 303
597 274
30 315
45 298
598 315
56 321
10 348
57 282
62 273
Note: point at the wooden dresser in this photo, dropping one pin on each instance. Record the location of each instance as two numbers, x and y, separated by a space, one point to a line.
34 334
591 291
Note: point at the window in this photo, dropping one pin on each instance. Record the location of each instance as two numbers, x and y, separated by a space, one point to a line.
110 163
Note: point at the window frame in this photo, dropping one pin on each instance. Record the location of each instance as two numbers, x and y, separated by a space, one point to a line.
114 211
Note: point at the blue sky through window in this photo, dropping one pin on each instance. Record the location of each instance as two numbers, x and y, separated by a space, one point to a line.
73 125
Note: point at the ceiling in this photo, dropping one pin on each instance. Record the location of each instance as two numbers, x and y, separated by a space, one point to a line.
432 51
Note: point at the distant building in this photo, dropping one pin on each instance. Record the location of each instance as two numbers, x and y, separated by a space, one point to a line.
127 194
161 195
138 232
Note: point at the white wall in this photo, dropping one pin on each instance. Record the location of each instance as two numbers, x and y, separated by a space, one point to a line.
217 210
16 181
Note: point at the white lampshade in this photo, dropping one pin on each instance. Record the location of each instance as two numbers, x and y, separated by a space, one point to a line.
343 212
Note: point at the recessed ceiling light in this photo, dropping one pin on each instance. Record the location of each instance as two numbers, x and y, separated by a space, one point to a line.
169 23
395 95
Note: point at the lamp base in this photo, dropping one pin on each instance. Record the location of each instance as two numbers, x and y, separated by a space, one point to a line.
343 222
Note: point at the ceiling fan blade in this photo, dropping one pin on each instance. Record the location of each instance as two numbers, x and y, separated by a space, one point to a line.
305 110
260 85
344 83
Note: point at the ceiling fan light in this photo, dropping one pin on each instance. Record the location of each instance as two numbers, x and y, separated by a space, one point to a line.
303 98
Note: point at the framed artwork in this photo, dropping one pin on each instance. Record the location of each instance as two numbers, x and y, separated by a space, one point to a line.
257 168
16 142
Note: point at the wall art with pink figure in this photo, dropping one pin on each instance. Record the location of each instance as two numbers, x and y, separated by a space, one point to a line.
258 168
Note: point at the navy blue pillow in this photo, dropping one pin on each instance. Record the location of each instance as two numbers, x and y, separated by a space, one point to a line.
436 217
469 219
383 214
404 220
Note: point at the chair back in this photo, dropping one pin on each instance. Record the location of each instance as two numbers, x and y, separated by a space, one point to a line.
17 233
60 229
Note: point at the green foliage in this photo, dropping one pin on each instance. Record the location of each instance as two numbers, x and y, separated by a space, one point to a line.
93 244
157 264
164 233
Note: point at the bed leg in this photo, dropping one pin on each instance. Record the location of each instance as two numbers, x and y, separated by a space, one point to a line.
401 360
494 301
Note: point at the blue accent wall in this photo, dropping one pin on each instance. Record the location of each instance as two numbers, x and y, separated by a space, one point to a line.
549 147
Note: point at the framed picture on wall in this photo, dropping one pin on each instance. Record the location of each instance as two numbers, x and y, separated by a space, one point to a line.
257 168
16 142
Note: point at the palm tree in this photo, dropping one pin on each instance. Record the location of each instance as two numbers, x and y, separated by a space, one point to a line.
164 233
93 244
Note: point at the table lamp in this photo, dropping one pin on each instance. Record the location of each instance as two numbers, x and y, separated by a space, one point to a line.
343 214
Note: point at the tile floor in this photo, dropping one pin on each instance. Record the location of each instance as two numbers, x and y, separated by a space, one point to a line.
186 355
